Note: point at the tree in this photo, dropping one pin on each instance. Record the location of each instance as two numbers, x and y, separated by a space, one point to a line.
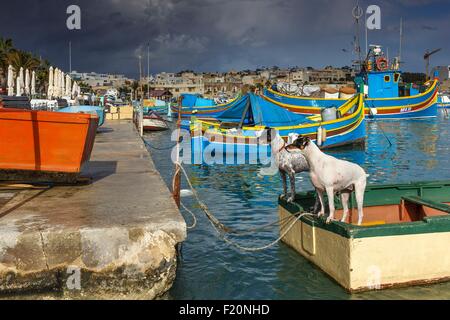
21 59
6 46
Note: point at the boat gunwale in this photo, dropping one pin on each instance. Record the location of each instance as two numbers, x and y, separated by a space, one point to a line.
428 225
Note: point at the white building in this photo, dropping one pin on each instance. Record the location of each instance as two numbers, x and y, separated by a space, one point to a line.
94 79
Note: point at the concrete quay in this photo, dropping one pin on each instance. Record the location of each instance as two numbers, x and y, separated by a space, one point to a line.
114 238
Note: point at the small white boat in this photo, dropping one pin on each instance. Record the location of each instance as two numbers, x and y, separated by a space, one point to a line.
154 122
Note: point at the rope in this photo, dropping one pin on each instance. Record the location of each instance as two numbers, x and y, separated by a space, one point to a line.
221 229
194 218
234 244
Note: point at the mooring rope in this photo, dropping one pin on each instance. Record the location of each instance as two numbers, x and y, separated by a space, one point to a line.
234 244
194 218
221 229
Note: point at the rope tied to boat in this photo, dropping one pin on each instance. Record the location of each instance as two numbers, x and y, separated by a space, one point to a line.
222 230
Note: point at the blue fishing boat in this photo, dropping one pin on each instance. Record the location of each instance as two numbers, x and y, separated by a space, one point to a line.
99 111
385 97
193 105
236 130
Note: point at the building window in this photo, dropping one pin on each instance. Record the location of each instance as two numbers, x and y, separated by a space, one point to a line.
387 78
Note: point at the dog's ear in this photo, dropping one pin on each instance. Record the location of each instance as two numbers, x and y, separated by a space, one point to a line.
302 142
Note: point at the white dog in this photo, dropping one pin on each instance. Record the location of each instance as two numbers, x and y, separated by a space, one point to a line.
332 175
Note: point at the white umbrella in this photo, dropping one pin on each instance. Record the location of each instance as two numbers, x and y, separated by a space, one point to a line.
33 83
75 90
27 82
18 87
63 84
56 83
68 85
51 78
10 80
22 79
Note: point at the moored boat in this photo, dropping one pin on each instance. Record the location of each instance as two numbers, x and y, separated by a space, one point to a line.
44 145
201 110
95 110
236 130
384 97
403 241
154 122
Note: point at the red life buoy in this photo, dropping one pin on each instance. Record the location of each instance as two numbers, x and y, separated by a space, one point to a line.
382 64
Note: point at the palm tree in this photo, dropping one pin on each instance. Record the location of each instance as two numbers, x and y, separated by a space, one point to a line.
21 59
6 46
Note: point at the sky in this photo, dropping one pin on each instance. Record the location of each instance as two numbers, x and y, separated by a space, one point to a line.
220 35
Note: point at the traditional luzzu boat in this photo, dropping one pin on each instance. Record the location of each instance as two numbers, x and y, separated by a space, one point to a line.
384 98
236 130
43 145
403 241
99 111
203 108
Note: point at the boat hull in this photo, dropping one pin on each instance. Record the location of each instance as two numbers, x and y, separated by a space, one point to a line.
403 242
36 143
154 124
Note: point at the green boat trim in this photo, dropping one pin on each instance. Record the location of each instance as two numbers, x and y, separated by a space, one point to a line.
430 194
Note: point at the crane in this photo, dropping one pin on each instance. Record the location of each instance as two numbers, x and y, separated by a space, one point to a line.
427 56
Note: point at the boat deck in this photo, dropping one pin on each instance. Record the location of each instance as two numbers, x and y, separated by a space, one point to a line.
120 231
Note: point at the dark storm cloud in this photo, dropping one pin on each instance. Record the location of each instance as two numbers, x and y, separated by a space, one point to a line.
210 35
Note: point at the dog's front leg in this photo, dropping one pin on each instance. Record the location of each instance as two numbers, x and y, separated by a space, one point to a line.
330 194
283 178
292 180
322 202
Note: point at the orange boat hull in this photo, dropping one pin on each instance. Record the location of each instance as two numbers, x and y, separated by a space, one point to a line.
41 141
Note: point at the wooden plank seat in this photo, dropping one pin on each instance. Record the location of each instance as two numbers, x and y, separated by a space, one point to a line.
427 203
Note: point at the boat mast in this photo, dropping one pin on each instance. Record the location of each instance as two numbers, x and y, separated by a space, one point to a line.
148 70
70 56
401 44
358 14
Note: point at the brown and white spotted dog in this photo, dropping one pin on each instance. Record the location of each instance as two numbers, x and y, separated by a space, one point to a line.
289 159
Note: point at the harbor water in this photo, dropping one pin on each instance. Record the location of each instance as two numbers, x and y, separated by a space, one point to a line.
209 268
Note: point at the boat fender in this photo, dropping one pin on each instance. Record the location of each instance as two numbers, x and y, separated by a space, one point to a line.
319 136
324 135
194 111
373 111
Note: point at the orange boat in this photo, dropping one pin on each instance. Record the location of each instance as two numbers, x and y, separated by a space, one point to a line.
44 146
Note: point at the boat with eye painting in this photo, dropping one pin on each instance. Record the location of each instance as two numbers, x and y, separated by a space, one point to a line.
236 130
384 96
